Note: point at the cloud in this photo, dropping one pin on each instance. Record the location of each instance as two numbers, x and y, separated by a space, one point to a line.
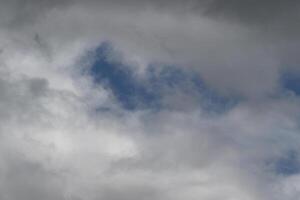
146 34
66 136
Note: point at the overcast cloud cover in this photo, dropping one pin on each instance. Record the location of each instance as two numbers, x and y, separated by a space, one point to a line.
149 100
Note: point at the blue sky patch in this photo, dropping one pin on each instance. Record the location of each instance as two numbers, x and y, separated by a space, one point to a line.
120 79
161 80
288 165
291 81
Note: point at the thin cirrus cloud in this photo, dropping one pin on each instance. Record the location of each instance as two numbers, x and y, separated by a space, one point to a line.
149 100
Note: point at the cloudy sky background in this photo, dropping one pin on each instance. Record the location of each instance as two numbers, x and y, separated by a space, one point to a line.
149 100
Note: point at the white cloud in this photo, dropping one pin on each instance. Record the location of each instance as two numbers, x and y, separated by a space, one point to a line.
56 145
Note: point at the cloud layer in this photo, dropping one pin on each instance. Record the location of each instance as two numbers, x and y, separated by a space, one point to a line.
223 121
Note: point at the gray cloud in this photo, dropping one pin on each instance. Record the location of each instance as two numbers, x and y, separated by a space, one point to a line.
215 37
55 144
26 180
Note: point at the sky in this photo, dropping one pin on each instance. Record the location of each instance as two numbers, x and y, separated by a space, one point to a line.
149 100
